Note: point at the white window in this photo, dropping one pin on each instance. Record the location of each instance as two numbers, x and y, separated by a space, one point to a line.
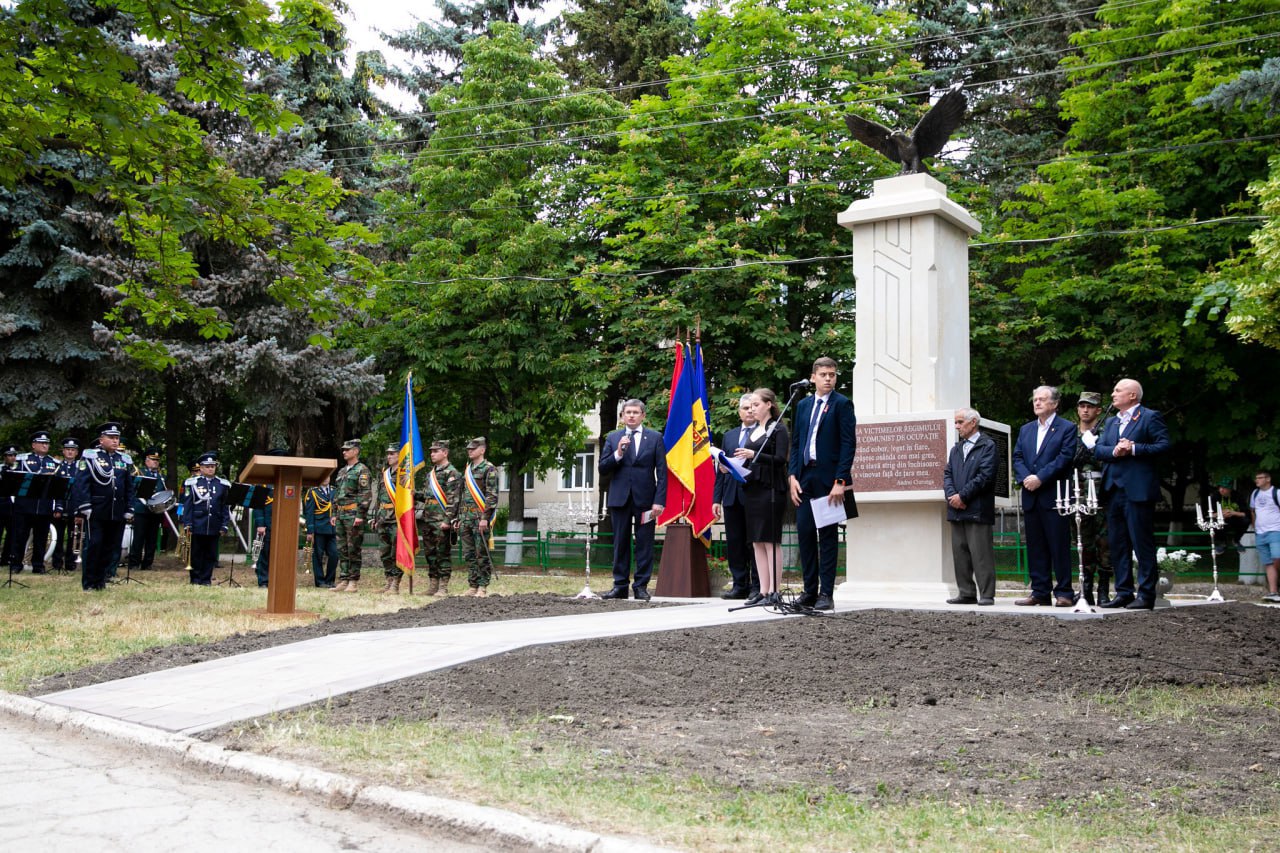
580 476
504 484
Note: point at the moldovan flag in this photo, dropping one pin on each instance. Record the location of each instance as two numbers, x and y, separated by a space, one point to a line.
411 459
701 515
678 438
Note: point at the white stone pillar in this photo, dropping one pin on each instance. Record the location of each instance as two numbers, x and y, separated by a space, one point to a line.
911 268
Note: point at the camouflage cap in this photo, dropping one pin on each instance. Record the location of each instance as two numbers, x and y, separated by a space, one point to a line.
478 441
439 444
351 444
393 448
1093 398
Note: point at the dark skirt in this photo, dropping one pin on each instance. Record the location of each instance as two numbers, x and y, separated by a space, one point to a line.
764 520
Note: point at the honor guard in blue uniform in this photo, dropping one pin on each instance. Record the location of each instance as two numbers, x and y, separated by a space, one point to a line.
206 514
64 558
34 516
6 506
146 524
102 495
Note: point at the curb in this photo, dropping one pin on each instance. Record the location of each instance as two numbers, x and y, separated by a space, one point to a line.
462 820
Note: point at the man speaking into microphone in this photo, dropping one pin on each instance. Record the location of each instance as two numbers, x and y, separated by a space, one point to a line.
821 459
637 460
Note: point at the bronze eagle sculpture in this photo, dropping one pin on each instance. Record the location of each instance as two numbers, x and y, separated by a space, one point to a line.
926 140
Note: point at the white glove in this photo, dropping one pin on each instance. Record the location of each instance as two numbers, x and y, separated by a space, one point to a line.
1089 440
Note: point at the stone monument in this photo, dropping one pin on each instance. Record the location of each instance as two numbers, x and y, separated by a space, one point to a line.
911 267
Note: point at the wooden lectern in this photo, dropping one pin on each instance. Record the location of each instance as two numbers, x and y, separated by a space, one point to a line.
288 475
682 573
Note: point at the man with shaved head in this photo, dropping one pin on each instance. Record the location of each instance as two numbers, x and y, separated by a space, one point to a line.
1132 445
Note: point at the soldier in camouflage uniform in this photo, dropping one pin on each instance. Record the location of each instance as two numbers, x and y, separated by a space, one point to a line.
438 504
475 513
382 517
1093 528
352 491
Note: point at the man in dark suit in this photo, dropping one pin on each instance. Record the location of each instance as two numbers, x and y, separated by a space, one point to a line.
1042 458
1132 443
637 461
821 461
969 483
728 505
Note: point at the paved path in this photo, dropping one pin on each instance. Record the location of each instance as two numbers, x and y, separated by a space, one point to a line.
207 695
67 792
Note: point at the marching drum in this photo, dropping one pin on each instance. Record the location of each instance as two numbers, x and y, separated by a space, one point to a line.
161 502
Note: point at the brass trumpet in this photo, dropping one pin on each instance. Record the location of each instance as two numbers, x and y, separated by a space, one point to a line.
77 540
257 547
184 547
305 559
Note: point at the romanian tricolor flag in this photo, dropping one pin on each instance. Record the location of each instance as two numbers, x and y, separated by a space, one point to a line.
678 438
701 515
411 459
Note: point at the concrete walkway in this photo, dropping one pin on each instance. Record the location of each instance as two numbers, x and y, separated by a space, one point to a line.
215 693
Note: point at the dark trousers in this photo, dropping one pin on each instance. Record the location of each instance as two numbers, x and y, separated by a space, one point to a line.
146 528
204 558
6 534
262 567
1130 530
742 558
1048 552
625 525
324 551
819 550
38 527
104 540
973 553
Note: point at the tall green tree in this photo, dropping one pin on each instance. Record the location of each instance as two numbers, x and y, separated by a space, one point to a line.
1101 256
70 84
720 205
479 306
620 45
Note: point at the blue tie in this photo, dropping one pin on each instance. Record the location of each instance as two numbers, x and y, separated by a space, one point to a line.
813 425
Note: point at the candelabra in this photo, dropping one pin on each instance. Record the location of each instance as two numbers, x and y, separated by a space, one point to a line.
1212 524
586 515
1071 501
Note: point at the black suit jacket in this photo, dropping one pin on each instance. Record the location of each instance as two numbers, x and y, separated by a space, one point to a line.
728 490
974 480
837 443
640 479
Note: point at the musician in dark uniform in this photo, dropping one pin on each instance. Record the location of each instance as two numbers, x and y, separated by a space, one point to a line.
146 524
6 506
207 516
64 557
34 516
102 494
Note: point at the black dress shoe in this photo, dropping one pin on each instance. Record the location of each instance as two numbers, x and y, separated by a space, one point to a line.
40 571
734 594
986 602
616 592
807 600
824 602
1140 604
641 594
754 599
962 599
1117 602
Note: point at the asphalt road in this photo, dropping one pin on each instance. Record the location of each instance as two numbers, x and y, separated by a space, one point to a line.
65 791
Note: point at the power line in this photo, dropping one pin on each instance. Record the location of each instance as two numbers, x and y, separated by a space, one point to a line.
816 108
746 264
391 144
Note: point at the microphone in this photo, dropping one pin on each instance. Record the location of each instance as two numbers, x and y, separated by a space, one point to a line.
803 384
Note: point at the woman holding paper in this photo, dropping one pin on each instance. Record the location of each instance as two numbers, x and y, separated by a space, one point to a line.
766 454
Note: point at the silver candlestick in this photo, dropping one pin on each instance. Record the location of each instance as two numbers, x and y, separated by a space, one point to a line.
586 515
1071 501
1212 524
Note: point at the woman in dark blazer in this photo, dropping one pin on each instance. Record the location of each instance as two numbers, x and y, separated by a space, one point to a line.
765 494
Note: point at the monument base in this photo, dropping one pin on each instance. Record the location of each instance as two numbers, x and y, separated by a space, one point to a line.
899 552
861 592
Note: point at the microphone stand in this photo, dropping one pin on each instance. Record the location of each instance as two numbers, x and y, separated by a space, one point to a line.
781 604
